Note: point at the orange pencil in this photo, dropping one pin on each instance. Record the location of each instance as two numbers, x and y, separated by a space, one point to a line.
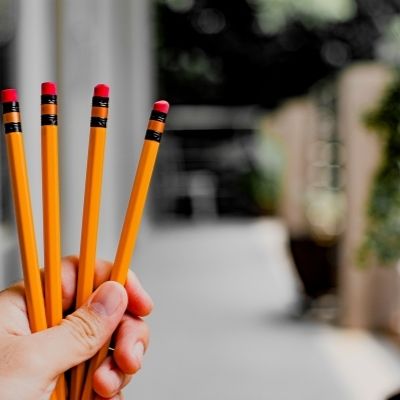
23 210
91 210
133 216
51 213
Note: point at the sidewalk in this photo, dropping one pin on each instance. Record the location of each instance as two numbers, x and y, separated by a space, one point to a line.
220 330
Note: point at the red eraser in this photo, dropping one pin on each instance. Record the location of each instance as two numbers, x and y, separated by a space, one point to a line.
161 106
49 88
9 95
101 90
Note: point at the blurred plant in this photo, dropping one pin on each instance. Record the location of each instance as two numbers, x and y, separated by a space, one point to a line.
324 211
274 15
233 52
388 47
180 5
382 239
264 181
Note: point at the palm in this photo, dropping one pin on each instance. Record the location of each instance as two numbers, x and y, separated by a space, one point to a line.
13 314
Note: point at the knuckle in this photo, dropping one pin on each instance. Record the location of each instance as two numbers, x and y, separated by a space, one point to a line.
127 379
135 366
144 333
85 329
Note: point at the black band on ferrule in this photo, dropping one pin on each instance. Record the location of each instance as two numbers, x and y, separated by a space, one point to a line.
49 99
12 127
97 122
153 135
12 106
49 119
98 101
158 116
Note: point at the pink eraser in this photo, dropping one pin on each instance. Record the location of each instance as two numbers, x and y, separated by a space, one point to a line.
49 88
101 90
9 95
162 106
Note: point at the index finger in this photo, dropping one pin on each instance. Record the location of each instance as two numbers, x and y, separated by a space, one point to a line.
139 302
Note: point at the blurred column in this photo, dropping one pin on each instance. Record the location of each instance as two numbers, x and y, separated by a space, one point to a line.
367 296
102 41
33 61
295 123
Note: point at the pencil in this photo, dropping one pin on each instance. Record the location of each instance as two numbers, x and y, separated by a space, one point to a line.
133 217
51 213
23 210
91 210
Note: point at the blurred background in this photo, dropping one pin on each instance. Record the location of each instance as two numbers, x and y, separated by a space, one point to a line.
271 238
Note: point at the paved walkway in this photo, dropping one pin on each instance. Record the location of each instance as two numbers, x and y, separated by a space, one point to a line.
220 331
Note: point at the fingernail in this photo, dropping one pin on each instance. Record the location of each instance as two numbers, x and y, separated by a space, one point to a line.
107 298
138 352
116 397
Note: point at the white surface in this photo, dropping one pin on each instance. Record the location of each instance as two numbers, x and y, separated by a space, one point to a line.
220 328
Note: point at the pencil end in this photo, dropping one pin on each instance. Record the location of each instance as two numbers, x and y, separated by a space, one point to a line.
161 106
49 88
101 90
9 95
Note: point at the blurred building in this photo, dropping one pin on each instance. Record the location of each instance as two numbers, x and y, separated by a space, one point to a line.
206 161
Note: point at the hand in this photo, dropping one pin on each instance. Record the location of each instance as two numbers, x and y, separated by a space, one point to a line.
30 363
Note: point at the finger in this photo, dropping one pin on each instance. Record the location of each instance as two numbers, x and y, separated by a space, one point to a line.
131 342
69 268
119 396
102 272
139 301
82 333
108 380
13 311
69 273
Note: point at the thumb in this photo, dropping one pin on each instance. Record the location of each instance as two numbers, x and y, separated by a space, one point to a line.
83 333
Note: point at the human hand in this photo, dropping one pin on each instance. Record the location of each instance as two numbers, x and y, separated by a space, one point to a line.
30 363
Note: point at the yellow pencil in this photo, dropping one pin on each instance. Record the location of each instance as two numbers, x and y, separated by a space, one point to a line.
23 210
51 214
133 217
91 210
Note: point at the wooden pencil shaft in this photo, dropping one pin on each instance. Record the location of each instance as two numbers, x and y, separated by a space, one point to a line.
90 218
91 211
77 381
26 233
130 229
95 362
51 225
52 236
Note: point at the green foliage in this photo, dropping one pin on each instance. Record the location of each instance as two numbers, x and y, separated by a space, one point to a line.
265 182
382 240
273 15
